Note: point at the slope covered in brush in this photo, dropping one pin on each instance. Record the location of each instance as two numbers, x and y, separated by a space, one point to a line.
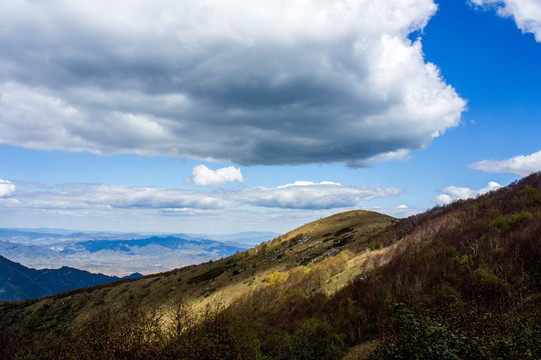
211 282
463 282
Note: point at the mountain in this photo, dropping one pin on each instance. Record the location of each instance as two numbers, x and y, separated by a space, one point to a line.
111 255
30 253
244 238
169 242
461 281
26 234
18 282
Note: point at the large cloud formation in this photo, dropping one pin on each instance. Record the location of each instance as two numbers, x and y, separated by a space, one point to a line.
257 82
300 196
526 13
520 165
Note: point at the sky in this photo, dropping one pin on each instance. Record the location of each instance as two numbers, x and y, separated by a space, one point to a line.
221 116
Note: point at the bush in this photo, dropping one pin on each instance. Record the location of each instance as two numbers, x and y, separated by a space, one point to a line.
316 340
219 334
419 338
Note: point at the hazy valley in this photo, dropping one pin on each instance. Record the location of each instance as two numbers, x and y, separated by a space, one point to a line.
120 254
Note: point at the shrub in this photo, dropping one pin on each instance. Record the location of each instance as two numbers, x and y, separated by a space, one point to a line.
316 340
419 338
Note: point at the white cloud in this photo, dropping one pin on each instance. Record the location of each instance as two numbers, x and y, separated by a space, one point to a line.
309 183
526 13
452 193
400 211
262 82
139 208
153 198
6 188
26 184
309 195
203 176
521 165
302 195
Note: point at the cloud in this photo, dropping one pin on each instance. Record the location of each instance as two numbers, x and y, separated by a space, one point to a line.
301 195
6 188
268 82
309 195
152 198
309 183
521 165
526 13
28 184
203 176
81 206
400 211
452 193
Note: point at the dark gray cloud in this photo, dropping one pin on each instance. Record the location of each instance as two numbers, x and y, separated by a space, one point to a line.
281 82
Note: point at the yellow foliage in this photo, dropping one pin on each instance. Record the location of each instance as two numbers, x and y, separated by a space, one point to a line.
276 278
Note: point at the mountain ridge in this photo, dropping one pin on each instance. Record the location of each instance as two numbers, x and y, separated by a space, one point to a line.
18 282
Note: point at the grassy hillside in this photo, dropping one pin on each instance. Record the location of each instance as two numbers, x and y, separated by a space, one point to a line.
212 282
457 282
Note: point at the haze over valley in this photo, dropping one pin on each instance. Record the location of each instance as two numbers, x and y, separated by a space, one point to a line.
120 254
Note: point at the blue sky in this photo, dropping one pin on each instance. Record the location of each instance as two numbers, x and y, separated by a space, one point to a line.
223 116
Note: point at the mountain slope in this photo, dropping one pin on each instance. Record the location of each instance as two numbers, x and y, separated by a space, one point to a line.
221 280
457 282
18 282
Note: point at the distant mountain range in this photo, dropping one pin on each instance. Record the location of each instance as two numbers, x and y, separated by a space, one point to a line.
119 254
245 237
22 251
18 282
